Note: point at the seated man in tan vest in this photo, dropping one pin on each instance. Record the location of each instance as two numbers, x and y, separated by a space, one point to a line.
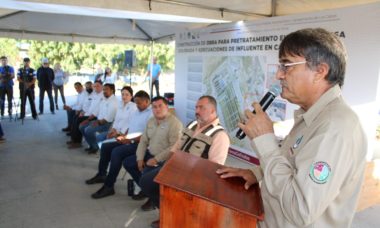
203 137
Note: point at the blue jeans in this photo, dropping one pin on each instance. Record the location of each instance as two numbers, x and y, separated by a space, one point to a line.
89 133
114 153
101 136
130 164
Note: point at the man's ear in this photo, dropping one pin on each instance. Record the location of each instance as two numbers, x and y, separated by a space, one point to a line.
322 71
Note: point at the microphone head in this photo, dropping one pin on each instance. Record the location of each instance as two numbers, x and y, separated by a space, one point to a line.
275 89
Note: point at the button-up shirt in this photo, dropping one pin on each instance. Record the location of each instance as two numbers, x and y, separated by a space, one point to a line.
123 116
159 137
81 98
97 98
313 178
138 122
108 108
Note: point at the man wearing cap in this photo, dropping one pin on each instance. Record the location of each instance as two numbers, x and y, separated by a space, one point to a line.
27 77
45 77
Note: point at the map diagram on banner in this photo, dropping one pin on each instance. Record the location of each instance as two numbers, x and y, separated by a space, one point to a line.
236 82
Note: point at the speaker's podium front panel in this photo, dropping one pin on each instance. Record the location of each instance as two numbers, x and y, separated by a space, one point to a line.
193 195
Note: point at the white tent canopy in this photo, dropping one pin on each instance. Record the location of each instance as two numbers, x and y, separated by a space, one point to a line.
136 21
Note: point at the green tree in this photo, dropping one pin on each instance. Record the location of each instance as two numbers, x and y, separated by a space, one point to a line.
76 56
8 47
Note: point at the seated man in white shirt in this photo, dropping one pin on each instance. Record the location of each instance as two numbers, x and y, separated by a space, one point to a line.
115 152
76 107
124 111
107 112
95 96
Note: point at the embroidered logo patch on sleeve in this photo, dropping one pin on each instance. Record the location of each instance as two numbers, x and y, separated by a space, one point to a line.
320 172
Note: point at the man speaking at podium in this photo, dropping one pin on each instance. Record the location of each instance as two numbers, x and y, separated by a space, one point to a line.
313 177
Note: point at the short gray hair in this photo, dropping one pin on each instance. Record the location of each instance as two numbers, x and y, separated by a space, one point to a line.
210 99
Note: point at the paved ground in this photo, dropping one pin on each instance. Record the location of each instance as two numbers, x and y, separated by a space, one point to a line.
42 183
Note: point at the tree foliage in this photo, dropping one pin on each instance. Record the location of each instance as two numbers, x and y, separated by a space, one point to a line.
8 47
76 56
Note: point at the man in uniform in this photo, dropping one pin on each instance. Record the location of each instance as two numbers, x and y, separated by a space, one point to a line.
27 77
7 74
313 177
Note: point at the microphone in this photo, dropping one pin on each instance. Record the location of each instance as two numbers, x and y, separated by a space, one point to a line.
265 102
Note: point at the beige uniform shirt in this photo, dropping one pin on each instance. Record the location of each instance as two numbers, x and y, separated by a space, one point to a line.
313 178
159 138
220 145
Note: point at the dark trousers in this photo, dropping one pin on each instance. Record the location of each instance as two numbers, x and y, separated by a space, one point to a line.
60 89
28 93
50 95
130 164
6 90
114 154
1 131
156 84
70 117
76 135
149 187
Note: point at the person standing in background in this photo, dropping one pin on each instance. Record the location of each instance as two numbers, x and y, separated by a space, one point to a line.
45 77
58 83
156 72
108 77
7 74
27 77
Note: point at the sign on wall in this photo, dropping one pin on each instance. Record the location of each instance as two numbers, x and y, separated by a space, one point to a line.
236 63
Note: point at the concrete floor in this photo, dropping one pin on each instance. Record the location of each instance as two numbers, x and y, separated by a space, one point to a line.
42 183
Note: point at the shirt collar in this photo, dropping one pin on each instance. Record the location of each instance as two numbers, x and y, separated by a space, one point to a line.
309 116
213 123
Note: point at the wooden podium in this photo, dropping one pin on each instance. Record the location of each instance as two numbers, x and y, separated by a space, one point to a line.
193 195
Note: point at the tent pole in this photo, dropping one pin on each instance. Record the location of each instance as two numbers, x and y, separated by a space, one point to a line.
151 69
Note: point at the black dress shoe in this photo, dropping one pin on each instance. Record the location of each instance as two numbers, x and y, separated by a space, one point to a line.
148 206
155 224
103 192
92 151
88 149
139 196
40 113
74 145
68 134
66 129
96 180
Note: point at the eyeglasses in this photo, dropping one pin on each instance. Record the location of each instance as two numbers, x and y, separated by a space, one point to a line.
284 67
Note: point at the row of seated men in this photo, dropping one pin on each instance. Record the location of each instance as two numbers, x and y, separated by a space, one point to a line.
140 134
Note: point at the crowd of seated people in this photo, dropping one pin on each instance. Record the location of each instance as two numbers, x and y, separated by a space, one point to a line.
139 134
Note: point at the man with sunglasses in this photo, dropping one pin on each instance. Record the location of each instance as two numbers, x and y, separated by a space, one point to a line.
313 177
